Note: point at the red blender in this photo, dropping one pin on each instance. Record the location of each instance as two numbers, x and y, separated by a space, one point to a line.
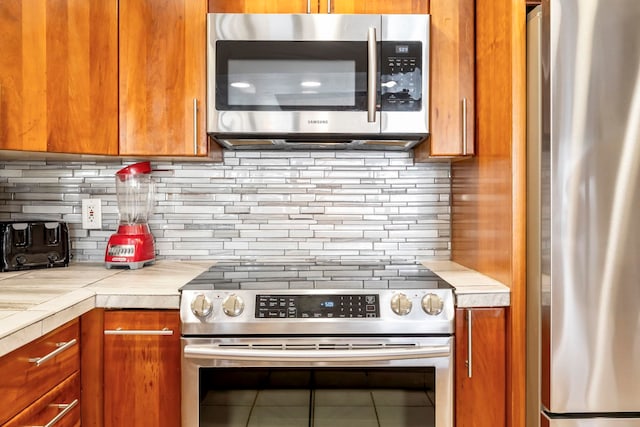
133 244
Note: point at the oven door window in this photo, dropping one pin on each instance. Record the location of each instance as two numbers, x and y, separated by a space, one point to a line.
291 75
317 397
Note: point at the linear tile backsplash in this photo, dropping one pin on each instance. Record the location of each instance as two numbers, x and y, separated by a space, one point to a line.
307 204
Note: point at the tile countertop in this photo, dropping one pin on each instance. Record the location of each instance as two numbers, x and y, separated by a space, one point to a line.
35 302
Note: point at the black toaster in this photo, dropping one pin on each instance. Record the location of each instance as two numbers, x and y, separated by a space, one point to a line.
34 244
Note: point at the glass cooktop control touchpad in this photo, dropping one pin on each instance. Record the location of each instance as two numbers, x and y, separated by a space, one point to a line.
317 306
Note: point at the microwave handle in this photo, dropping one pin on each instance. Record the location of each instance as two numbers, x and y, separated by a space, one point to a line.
372 74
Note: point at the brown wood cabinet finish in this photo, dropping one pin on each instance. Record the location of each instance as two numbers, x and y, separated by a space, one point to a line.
59 76
376 6
262 6
162 78
24 380
142 372
452 98
319 6
480 399
488 209
45 409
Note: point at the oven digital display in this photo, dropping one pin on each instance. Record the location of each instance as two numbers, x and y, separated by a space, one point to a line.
317 306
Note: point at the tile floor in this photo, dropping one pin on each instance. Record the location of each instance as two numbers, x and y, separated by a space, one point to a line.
318 408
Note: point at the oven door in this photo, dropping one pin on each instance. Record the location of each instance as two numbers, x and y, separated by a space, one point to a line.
333 381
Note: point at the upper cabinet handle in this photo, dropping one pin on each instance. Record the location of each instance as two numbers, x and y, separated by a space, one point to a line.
464 126
195 126
308 6
62 346
328 6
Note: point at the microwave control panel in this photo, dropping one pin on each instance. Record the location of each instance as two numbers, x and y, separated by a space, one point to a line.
401 76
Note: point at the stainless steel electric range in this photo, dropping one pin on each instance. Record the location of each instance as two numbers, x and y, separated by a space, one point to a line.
332 342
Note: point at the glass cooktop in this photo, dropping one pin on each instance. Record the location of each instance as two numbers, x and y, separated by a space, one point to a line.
230 275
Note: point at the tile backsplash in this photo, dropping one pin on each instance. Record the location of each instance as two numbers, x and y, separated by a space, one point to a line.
307 204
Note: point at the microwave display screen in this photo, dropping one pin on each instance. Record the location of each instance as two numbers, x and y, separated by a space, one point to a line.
291 82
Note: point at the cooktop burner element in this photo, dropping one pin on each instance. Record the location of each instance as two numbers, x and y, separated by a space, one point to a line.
301 298
316 275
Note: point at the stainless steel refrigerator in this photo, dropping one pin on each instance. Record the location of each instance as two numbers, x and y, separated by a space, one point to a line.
584 210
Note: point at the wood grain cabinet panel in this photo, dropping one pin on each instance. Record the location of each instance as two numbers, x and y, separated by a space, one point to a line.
375 6
263 6
59 76
319 6
62 402
452 103
32 370
142 368
162 79
480 392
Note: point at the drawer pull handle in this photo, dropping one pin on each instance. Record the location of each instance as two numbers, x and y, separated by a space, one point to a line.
66 408
62 346
120 331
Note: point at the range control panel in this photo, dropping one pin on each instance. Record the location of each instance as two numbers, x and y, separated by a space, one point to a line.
317 306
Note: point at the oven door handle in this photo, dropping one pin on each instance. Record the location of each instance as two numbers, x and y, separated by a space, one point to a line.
365 355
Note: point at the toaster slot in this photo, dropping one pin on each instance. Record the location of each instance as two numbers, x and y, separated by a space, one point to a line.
20 235
51 233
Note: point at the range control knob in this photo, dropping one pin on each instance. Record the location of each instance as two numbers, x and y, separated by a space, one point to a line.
432 304
401 304
232 305
201 306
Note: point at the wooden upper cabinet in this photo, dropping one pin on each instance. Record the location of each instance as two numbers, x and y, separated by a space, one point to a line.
375 6
59 76
263 6
452 112
319 6
162 77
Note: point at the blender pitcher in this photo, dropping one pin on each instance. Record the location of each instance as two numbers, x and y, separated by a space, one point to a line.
133 244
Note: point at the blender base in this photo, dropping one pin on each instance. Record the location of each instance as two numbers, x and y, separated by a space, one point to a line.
131 247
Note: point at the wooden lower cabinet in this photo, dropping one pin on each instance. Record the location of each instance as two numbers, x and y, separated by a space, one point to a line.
141 368
480 392
36 369
61 403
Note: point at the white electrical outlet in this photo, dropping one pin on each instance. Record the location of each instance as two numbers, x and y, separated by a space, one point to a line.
91 214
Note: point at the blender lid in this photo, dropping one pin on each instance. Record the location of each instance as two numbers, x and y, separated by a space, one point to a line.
136 168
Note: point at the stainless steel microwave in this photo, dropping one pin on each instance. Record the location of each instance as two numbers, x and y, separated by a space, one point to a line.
318 81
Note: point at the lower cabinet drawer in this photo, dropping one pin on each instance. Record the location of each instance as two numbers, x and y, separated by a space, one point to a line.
59 407
32 370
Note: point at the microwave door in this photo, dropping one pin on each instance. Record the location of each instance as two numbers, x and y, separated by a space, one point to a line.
294 74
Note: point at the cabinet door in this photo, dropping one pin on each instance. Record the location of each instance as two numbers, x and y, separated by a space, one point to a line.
162 77
480 367
263 6
59 76
61 403
32 370
142 368
375 6
452 113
